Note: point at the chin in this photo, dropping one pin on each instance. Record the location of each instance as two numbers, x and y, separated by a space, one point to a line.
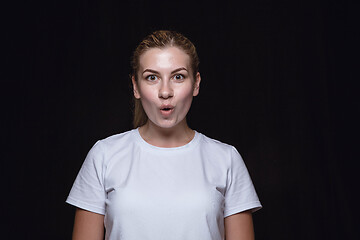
167 123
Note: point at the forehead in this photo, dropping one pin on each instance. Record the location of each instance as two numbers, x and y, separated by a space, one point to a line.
163 58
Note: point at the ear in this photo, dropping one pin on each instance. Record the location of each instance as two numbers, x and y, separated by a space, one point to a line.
197 84
135 88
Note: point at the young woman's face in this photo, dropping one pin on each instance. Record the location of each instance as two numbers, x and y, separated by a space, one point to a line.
166 85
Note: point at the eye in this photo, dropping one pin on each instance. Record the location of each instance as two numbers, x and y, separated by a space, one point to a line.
151 78
179 77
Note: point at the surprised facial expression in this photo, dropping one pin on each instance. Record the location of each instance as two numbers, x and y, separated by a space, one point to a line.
166 85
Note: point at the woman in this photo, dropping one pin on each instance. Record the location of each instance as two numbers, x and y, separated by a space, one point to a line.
163 180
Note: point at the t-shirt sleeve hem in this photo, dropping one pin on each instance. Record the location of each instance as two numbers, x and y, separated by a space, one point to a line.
253 206
85 206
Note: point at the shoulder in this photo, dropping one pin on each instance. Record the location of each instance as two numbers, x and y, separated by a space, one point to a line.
118 139
216 146
115 143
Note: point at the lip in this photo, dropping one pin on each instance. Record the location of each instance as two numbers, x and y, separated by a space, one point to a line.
166 110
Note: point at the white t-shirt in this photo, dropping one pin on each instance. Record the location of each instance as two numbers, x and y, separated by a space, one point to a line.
149 192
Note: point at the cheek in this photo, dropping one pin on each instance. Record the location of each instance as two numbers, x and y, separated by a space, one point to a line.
147 99
185 95
147 94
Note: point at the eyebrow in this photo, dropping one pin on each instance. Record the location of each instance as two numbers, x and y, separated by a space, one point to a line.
172 72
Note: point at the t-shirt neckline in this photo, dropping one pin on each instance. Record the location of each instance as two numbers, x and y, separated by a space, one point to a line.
188 145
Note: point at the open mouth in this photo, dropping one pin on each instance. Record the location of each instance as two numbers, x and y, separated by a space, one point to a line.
166 110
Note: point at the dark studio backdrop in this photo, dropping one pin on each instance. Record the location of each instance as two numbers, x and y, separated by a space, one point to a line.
278 83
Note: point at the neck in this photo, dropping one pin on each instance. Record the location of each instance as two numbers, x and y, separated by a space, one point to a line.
176 136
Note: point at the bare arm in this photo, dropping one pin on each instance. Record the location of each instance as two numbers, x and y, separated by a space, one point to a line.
239 226
88 225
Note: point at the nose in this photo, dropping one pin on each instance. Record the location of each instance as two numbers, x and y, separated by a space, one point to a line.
165 90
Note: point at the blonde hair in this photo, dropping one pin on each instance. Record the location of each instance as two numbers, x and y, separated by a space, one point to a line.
159 39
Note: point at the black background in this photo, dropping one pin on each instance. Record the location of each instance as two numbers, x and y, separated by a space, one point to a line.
278 83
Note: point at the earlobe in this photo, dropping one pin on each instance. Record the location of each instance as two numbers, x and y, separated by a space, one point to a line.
197 84
135 88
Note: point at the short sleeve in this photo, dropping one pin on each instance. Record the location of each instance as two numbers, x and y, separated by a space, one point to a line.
88 191
240 193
